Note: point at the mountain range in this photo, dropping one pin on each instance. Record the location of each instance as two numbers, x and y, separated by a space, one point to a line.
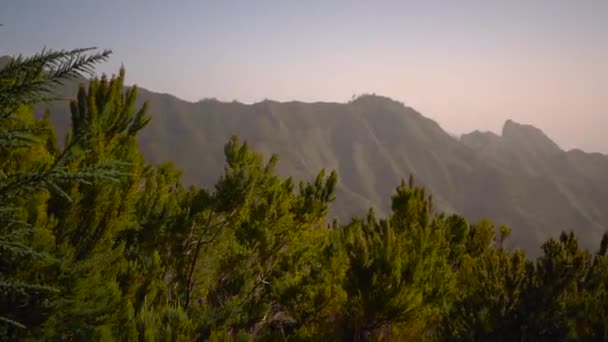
520 178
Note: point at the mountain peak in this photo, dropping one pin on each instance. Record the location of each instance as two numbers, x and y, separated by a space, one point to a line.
528 137
478 139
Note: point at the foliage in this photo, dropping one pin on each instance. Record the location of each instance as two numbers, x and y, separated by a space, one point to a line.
30 170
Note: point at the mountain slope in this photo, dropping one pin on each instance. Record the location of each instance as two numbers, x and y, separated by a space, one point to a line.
521 178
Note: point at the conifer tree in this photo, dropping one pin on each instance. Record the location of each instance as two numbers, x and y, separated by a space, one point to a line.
265 226
86 227
554 307
26 81
492 287
398 277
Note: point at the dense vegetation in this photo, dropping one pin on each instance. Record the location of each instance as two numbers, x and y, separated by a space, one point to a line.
98 245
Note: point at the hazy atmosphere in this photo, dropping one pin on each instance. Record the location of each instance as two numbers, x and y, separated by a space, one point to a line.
468 65
349 171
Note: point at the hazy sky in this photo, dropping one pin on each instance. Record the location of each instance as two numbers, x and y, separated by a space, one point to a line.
468 65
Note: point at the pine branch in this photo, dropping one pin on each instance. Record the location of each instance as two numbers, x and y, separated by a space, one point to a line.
26 81
33 64
76 65
47 179
19 137
11 322
20 250
5 287
31 181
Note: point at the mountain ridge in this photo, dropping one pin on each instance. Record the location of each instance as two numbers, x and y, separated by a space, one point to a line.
520 178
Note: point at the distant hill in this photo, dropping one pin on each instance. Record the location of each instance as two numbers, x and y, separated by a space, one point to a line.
520 178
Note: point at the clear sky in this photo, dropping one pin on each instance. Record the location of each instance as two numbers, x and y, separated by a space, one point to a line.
468 65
